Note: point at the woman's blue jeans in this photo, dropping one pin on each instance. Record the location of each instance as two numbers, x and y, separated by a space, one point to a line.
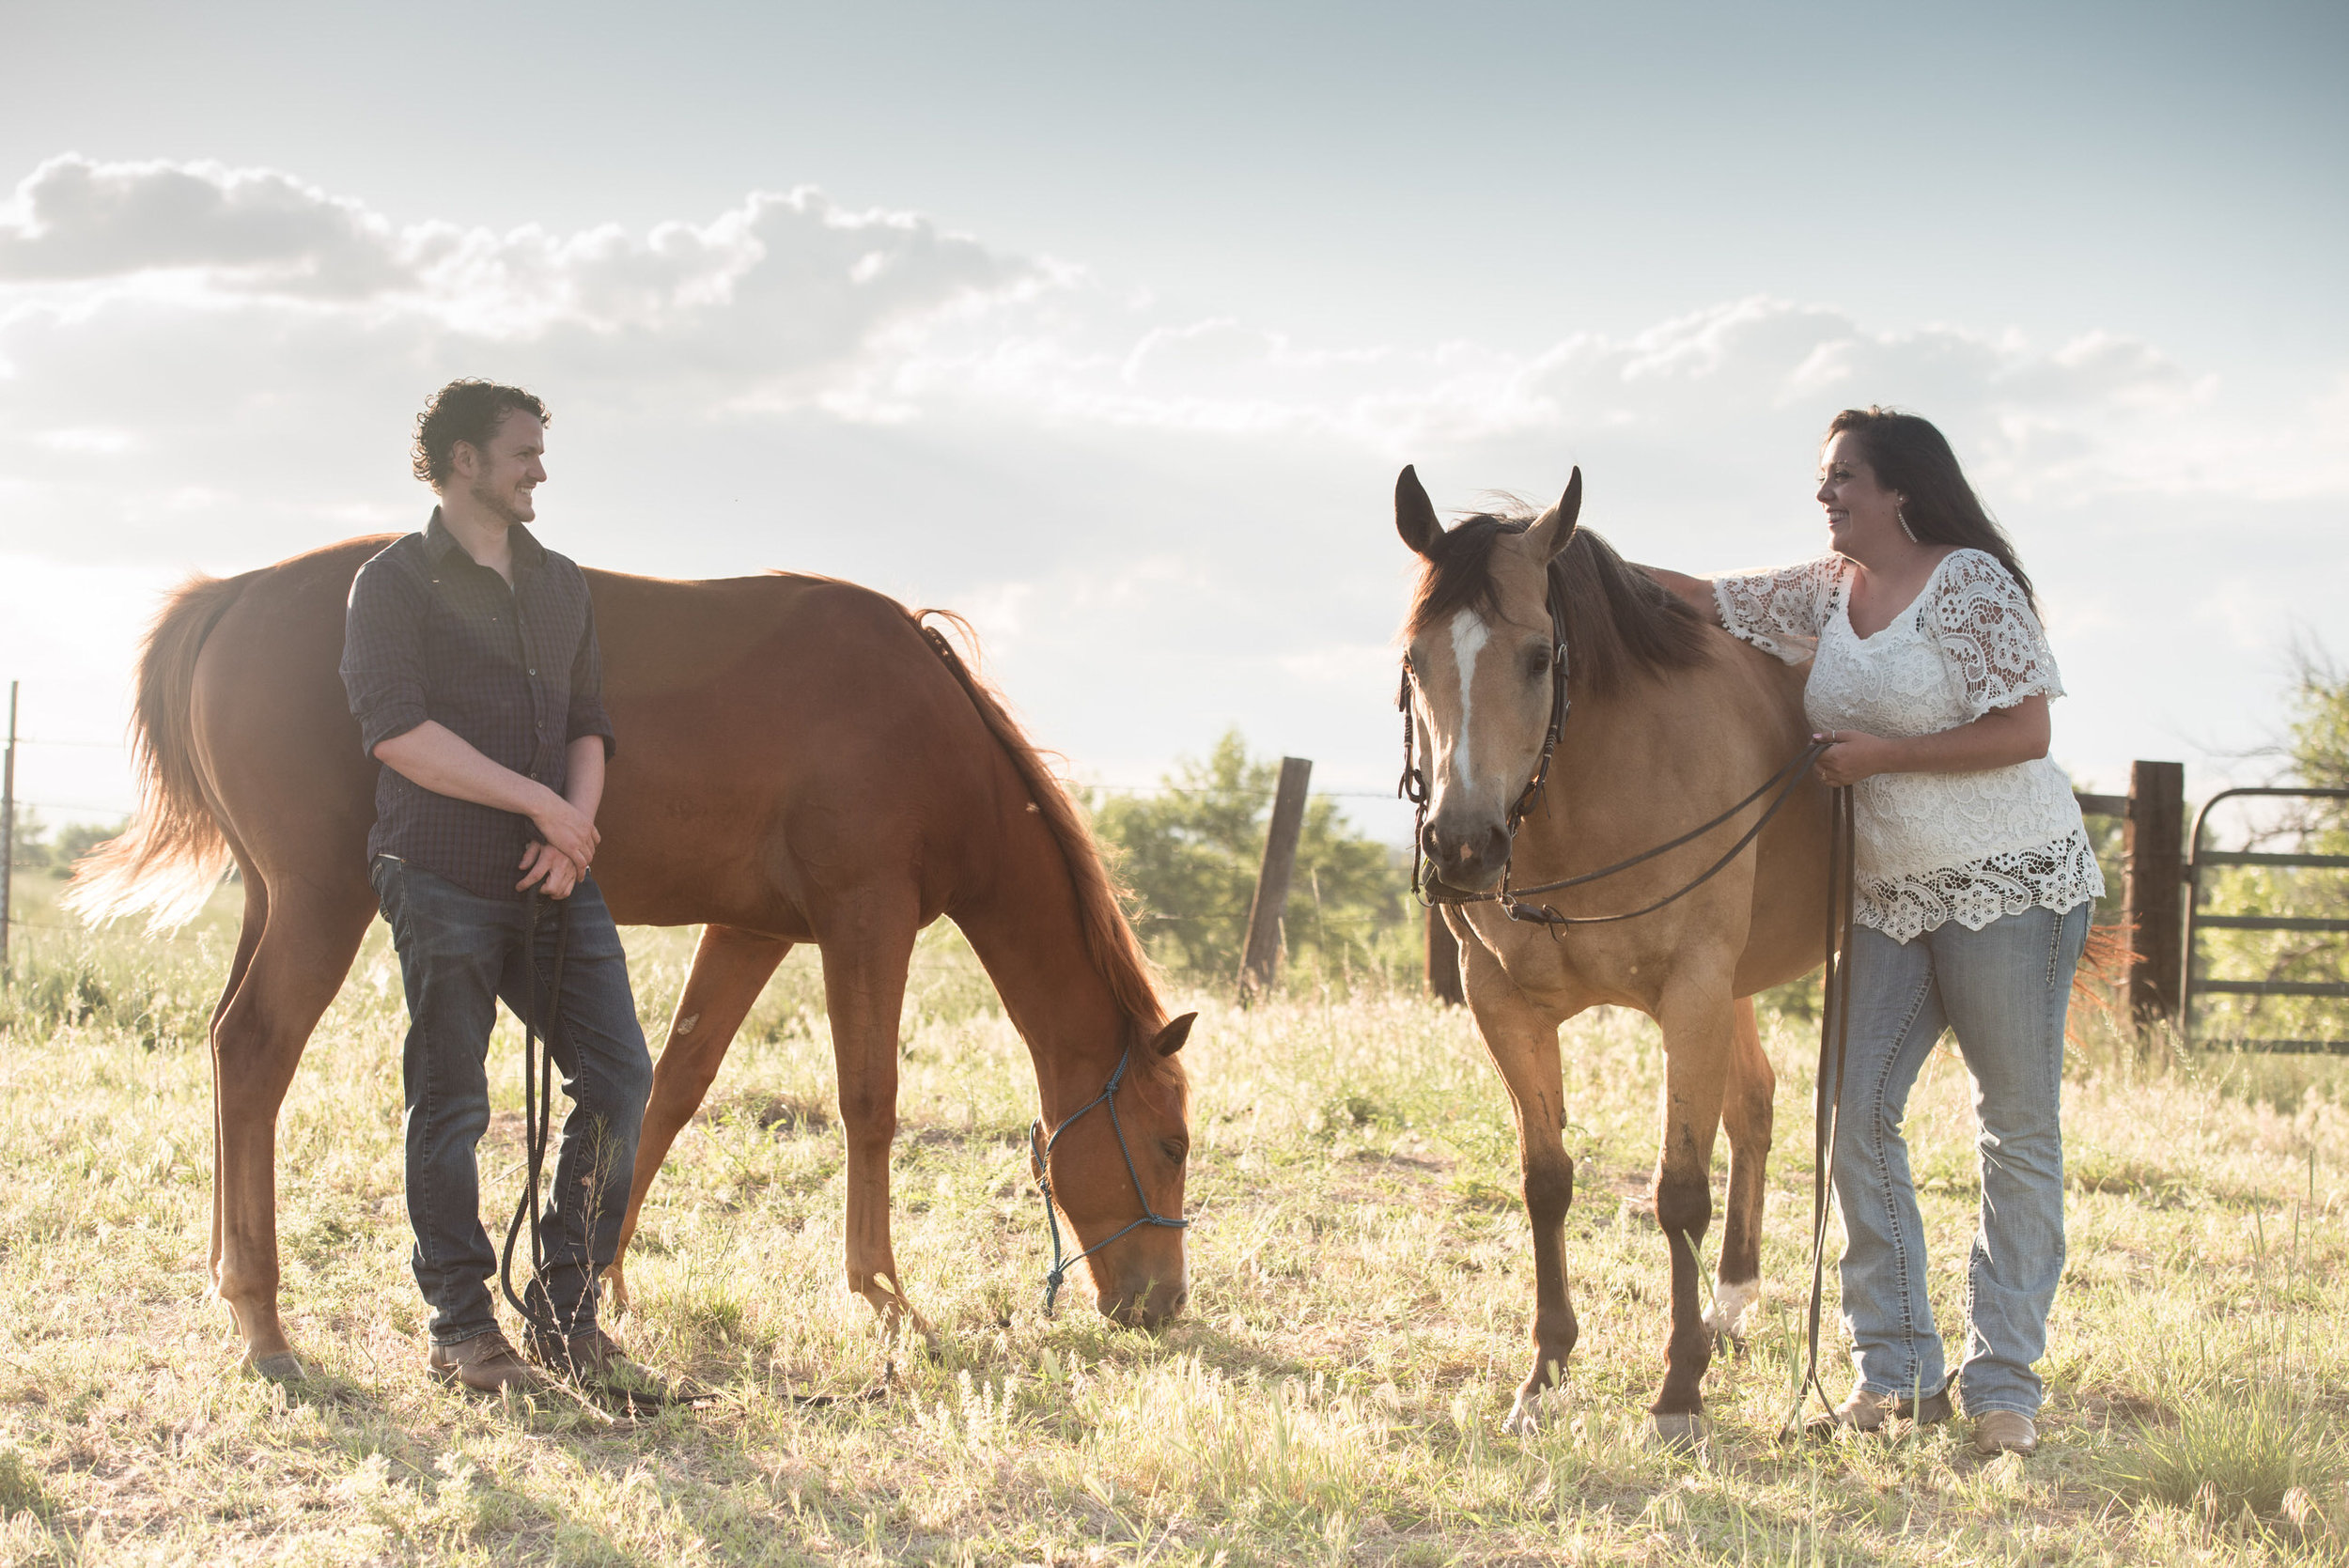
460 954
2003 990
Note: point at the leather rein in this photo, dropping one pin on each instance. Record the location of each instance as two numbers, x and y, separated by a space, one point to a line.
1516 901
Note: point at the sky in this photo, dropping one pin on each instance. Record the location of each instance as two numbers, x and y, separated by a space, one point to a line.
1108 324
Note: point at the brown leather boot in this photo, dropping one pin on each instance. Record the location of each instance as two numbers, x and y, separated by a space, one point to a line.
595 1360
1864 1411
2005 1431
485 1363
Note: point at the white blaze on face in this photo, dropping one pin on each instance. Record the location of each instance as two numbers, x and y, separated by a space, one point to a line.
1469 636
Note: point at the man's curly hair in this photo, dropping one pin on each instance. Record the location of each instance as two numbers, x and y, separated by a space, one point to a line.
467 411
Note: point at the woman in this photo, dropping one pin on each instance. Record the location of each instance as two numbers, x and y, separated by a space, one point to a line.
1931 678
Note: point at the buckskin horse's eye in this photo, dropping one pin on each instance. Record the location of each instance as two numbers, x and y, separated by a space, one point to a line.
1536 663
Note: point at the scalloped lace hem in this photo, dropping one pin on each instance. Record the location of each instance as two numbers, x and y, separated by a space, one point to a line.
2053 876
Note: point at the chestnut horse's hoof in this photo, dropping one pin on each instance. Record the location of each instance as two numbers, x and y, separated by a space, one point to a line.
1531 1413
1679 1434
284 1367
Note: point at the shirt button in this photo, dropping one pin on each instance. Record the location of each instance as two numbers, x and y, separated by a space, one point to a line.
534 671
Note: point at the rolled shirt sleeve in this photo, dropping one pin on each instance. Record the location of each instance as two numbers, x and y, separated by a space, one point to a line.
587 715
384 664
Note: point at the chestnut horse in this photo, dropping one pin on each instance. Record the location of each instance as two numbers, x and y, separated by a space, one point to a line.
800 760
1671 722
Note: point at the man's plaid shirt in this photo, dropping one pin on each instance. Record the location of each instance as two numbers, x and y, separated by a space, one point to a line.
433 635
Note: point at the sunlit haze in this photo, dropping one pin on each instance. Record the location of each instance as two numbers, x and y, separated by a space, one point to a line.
1109 325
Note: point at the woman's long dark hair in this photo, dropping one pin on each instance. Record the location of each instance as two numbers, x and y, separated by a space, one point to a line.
1909 456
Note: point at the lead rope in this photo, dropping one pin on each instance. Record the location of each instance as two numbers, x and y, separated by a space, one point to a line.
1827 1095
538 1118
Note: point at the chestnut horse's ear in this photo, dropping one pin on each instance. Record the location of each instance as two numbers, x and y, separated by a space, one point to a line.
1414 513
1555 530
1170 1038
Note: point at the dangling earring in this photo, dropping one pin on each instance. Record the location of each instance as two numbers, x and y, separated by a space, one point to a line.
1900 513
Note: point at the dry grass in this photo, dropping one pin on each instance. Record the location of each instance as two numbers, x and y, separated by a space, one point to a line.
1361 1291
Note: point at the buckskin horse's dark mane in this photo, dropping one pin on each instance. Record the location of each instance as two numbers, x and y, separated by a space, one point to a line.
1619 621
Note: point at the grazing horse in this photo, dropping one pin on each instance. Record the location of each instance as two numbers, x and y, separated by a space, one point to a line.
1668 723
800 760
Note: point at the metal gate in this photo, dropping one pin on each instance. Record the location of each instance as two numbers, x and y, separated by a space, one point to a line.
2192 986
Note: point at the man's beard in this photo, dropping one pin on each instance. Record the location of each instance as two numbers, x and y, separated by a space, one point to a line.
499 502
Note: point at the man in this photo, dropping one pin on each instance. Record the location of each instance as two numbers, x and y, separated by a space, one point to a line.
472 666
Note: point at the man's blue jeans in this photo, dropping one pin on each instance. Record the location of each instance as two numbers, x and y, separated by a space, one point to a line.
2004 991
459 954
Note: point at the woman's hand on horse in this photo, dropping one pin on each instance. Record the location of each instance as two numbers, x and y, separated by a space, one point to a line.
1854 755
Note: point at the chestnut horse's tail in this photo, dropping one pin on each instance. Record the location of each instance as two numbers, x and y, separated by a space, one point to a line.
171 857
1110 940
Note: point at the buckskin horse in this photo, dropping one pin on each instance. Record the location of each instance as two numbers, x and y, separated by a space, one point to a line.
1526 634
800 760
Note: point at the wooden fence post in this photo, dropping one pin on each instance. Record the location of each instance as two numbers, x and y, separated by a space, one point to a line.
2153 888
7 838
1261 960
1444 960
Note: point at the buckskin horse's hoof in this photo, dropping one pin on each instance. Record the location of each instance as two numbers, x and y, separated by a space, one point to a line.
1679 1434
284 1367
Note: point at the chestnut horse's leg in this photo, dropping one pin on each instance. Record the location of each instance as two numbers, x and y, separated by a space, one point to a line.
1745 1117
730 968
1696 1017
868 942
248 941
1524 1047
309 935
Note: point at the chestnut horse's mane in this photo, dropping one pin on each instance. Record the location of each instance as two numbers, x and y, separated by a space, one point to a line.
1619 621
1116 954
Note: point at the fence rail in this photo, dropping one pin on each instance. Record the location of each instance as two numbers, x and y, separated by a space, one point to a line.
2196 922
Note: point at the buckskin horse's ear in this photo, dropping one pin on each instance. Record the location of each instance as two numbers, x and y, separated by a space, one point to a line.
1414 513
1170 1038
1555 529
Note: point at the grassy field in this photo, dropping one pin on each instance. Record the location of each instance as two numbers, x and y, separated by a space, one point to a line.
1361 1287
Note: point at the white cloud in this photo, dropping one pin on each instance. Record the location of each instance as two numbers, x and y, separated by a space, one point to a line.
217 365
172 305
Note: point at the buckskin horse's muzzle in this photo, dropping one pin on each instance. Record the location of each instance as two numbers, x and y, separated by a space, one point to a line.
1471 854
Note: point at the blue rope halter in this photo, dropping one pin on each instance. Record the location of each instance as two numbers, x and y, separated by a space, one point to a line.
1040 1159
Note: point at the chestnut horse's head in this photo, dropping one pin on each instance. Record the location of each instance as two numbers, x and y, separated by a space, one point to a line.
1115 1166
1114 1139
1481 649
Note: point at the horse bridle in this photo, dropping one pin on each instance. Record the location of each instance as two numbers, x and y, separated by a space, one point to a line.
1515 901
1040 1160
1414 786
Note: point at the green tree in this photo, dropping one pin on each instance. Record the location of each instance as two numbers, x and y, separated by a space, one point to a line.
1189 855
30 851
77 839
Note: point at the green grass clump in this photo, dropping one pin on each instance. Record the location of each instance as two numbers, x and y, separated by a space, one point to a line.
2230 1449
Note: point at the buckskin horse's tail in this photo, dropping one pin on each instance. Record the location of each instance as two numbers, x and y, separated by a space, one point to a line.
171 857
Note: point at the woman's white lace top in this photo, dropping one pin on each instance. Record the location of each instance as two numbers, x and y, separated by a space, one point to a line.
1932 846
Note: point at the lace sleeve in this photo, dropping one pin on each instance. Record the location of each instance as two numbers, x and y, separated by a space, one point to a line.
1985 628
1779 612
